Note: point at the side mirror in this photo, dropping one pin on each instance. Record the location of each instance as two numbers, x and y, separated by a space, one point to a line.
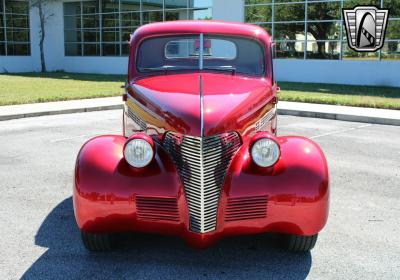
273 50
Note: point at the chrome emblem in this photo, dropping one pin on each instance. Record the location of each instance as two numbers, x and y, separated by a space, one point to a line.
365 26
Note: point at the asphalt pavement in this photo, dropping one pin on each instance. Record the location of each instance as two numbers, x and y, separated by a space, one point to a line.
40 240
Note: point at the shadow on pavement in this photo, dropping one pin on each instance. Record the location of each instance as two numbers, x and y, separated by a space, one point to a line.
155 257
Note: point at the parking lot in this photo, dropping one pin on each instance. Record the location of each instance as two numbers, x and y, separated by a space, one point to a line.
40 240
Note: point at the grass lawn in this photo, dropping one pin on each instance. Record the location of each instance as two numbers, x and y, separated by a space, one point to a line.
360 96
36 87
56 86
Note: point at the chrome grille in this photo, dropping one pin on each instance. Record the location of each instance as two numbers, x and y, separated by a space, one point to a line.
157 208
260 124
202 163
246 208
139 122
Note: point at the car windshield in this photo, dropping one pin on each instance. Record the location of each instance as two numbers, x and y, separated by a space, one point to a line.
201 52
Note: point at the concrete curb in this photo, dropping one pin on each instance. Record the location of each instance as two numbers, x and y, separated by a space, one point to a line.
333 112
60 112
340 117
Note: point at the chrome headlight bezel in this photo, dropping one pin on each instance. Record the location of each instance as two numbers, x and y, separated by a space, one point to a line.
139 150
266 145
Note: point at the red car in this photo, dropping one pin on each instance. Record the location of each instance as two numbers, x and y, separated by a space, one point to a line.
200 157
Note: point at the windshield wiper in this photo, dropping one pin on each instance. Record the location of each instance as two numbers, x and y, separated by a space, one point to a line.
221 68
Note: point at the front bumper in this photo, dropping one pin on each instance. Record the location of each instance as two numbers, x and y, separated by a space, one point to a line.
110 196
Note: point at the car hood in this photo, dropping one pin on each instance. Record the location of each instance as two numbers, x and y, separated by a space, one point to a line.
200 104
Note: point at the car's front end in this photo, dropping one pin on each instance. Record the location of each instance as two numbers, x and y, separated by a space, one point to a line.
200 157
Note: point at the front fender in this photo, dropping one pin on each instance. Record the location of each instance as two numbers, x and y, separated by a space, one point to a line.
106 186
296 187
107 189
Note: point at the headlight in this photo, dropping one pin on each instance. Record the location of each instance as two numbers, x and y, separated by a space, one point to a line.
138 152
265 152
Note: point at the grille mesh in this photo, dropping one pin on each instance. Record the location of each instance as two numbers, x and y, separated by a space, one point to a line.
246 208
202 164
140 123
260 124
157 208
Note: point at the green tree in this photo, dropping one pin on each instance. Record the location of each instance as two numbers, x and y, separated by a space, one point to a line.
316 12
393 28
323 30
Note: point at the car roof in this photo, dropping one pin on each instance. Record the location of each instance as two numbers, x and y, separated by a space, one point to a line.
201 26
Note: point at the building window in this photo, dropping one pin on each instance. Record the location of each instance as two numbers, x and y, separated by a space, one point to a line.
103 27
14 28
314 29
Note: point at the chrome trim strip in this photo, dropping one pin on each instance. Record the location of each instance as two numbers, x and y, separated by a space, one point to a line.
202 191
201 107
201 51
201 141
251 112
143 107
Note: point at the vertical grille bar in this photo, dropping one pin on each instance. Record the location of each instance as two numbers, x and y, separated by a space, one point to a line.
202 163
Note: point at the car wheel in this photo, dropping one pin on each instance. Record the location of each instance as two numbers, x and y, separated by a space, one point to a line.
98 242
300 243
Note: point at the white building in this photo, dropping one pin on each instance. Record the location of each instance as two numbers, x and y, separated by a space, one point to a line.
92 36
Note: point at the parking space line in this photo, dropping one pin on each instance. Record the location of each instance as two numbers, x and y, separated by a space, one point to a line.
81 136
340 131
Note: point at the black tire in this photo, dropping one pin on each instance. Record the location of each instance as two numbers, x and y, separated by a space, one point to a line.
98 242
300 243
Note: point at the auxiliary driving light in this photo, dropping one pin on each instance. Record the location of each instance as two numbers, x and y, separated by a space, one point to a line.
265 152
139 151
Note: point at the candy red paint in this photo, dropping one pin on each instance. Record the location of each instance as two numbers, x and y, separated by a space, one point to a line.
108 191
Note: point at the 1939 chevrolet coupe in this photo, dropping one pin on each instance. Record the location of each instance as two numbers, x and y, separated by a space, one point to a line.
200 157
